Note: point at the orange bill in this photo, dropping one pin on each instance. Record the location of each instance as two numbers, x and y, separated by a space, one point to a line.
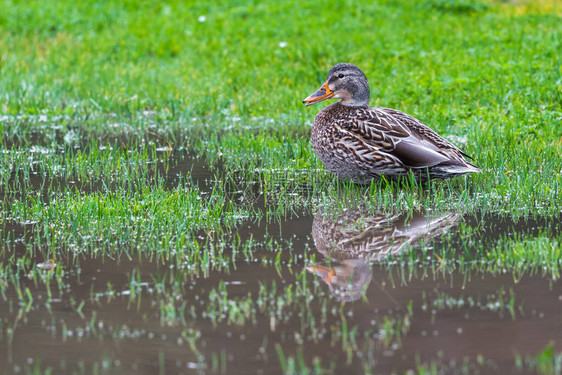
323 93
326 273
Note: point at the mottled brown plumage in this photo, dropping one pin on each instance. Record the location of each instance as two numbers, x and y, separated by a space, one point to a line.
361 143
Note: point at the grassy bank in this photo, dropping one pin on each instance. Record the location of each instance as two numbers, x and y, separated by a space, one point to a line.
227 80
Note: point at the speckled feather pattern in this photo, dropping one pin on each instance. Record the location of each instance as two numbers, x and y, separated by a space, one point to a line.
365 143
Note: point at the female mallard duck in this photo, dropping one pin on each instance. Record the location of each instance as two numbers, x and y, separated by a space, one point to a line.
361 143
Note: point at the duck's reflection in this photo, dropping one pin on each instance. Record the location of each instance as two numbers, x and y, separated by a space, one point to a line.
354 239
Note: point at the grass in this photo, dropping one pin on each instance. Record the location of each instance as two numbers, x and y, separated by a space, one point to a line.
158 155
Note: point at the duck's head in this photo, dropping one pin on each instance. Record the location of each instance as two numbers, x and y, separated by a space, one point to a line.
346 82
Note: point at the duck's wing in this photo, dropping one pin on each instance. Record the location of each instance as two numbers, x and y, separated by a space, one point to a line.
403 137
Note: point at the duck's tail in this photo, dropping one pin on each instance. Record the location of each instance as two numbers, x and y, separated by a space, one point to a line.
451 170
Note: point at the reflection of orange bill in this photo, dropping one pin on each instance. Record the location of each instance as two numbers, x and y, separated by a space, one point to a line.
326 273
323 93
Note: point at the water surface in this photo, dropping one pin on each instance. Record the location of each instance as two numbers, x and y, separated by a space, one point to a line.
316 289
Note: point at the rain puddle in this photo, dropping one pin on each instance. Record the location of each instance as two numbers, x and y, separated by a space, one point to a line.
314 290
169 166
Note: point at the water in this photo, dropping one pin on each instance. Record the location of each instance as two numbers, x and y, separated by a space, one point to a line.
331 298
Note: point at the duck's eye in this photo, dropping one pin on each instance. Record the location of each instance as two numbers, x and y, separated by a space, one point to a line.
340 75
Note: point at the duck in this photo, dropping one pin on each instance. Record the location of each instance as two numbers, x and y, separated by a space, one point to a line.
361 143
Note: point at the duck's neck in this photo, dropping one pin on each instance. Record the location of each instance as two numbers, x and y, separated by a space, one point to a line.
336 110
355 103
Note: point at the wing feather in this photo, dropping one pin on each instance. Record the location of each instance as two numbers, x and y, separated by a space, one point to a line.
400 136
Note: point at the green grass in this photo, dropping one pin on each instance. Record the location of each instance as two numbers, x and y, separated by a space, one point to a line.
108 109
218 87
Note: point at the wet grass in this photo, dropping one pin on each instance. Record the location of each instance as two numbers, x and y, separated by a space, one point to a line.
158 187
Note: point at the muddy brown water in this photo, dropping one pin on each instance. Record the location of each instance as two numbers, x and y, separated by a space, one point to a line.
130 336
448 316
